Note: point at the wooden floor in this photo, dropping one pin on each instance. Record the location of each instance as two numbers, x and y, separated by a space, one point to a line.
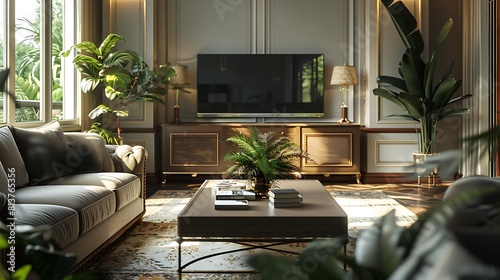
417 198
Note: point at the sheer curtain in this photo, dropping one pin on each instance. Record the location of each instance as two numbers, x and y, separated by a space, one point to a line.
477 81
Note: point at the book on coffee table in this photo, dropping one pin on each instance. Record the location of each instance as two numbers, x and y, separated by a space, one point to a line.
285 204
232 185
298 198
234 195
282 193
231 204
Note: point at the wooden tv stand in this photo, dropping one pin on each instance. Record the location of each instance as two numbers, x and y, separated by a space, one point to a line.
199 148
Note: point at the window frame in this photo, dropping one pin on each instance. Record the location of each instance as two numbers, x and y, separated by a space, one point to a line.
71 80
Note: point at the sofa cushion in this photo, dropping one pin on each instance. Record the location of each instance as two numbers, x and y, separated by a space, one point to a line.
11 157
87 153
126 186
62 221
44 151
94 204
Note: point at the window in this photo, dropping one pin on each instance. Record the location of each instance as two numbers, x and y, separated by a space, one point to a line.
44 90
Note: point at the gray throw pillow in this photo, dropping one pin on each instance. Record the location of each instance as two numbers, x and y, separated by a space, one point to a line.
44 151
11 159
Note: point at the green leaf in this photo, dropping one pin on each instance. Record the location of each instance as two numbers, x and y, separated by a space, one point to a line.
22 272
445 30
392 81
88 47
89 84
274 267
48 262
3 242
120 113
410 103
445 91
99 110
453 113
111 93
109 43
405 23
377 248
413 69
108 136
119 58
119 80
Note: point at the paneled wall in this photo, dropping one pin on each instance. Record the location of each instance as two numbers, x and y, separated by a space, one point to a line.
259 26
133 19
355 32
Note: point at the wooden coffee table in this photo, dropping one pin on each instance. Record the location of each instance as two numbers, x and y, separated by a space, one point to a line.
319 217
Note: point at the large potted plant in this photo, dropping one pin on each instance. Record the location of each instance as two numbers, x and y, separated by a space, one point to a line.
263 157
433 247
424 98
122 75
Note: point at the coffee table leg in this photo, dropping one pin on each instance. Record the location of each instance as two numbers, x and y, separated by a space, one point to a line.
179 254
345 255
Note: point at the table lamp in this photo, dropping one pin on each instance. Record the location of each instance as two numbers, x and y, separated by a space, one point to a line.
344 76
181 79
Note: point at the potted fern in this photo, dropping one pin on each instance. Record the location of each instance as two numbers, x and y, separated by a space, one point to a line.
122 75
263 157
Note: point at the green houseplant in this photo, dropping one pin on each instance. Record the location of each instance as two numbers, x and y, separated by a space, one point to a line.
41 256
263 157
124 77
388 251
423 98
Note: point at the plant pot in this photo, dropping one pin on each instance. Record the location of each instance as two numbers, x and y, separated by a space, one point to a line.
419 160
261 186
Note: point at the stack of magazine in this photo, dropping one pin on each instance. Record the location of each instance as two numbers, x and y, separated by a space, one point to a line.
281 198
232 196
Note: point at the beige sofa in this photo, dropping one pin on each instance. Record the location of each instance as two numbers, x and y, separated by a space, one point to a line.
87 192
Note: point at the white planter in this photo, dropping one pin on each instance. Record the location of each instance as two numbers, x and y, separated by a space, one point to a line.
419 159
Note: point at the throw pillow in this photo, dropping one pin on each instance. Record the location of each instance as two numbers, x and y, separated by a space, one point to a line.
87 153
44 151
11 158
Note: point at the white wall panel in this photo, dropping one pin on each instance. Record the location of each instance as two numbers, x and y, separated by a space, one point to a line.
390 152
384 51
315 26
147 140
132 19
220 26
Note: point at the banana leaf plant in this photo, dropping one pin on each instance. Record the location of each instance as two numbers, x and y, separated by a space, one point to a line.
123 75
424 99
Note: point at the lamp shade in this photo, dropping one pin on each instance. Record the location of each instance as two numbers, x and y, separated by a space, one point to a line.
344 76
182 75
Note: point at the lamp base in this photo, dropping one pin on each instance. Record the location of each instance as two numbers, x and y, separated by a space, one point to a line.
177 119
344 118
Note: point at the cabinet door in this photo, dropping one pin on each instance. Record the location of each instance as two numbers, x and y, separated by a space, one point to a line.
333 149
192 149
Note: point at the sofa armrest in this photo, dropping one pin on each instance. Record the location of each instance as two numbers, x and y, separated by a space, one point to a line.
127 158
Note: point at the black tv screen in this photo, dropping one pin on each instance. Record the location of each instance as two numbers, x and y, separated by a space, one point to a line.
260 85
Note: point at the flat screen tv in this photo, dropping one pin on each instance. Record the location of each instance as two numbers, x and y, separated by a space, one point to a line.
260 85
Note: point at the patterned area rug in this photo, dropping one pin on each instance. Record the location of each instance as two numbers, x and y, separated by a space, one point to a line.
149 251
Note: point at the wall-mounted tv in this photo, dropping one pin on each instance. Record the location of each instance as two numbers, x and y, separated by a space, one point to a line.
260 85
